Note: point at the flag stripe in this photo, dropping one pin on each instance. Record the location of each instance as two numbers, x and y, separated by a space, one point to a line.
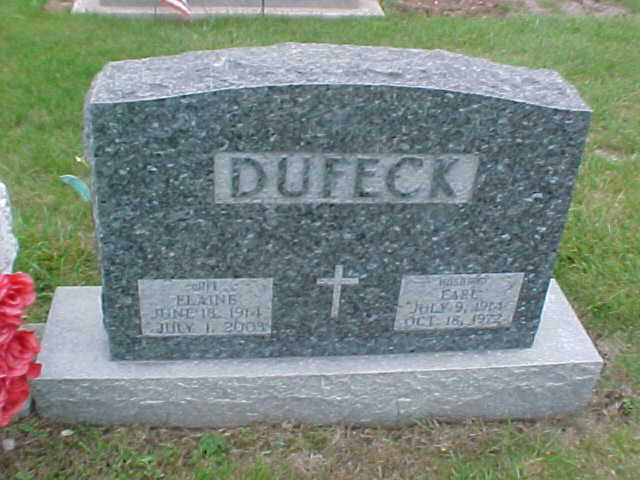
181 5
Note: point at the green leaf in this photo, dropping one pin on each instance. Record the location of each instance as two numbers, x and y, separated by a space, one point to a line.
78 185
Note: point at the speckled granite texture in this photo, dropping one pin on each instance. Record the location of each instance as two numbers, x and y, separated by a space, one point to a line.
8 242
80 384
157 131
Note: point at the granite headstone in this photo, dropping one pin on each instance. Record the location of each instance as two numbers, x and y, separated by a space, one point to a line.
315 200
207 8
323 200
8 242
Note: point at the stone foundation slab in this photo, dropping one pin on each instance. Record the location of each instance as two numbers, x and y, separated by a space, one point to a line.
79 383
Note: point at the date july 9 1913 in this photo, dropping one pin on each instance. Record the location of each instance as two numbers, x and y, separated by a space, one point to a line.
442 302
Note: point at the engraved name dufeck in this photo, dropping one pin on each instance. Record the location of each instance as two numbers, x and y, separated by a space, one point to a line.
344 178
445 302
228 306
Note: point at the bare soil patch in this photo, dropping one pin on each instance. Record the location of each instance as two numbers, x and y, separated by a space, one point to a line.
506 7
592 7
451 7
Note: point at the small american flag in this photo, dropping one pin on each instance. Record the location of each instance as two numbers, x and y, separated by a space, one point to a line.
181 5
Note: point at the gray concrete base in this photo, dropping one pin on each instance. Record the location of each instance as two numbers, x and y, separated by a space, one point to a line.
80 384
27 406
204 8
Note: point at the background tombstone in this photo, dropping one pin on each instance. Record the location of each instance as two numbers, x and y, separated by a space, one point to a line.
8 243
323 207
206 8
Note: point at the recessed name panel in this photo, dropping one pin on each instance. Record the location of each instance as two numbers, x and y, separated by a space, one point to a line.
344 178
227 306
447 302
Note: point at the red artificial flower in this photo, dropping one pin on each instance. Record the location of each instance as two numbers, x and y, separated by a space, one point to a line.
6 334
14 391
17 347
16 292
8 326
34 370
18 354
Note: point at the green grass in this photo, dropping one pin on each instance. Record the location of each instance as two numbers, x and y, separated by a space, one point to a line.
48 61
570 448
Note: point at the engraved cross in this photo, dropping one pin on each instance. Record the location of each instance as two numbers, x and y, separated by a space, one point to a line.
337 282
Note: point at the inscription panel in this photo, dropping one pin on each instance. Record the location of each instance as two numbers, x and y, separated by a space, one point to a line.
447 302
344 178
227 306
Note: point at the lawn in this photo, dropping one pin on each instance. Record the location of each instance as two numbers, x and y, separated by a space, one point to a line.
48 61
